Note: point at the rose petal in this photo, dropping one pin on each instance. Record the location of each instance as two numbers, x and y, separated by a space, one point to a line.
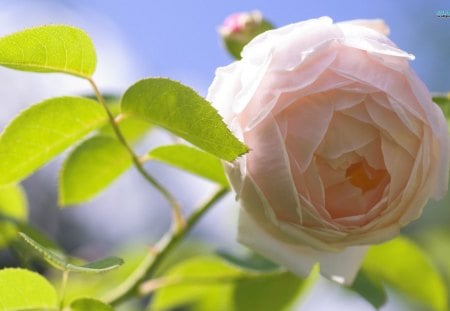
345 134
398 164
251 78
252 234
307 122
391 125
372 41
372 154
409 120
222 89
298 258
268 161
344 266
278 82
368 71
374 24
304 36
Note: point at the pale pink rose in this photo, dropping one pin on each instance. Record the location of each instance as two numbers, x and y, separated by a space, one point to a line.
346 144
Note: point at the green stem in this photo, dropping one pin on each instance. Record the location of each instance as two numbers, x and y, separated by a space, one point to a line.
152 261
176 210
65 278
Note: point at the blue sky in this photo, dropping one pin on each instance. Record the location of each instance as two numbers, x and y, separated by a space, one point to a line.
178 39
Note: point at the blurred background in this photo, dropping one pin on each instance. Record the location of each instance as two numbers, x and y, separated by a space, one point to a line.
179 40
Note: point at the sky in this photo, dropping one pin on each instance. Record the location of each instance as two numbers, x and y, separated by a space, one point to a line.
178 38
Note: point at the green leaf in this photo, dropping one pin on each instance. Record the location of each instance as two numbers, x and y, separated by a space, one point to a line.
61 262
208 283
199 294
132 129
44 130
252 262
436 242
182 111
22 289
191 160
371 290
13 207
99 266
86 304
99 285
268 292
90 168
403 266
443 102
51 48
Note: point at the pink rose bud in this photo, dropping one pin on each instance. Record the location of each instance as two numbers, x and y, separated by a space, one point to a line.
346 144
240 28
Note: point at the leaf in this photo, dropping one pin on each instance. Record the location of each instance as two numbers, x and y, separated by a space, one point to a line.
86 304
13 207
213 295
22 289
268 292
99 266
91 167
132 129
61 262
403 266
443 102
251 262
22 249
208 283
371 290
51 48
191 160
44 130
436 242
180 110
98 285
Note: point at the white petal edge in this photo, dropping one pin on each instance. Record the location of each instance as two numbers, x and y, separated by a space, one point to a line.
299 259
375 24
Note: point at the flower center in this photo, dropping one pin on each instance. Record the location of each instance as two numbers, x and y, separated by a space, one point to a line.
363 176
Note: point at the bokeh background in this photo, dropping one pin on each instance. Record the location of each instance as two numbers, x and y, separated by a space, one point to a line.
178 39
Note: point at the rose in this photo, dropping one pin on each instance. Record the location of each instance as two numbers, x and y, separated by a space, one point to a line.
346 144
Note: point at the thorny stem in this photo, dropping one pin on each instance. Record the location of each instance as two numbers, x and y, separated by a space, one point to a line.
150 264
176 210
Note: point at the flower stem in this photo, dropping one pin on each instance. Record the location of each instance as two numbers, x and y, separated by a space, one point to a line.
176 210
65 278
152 261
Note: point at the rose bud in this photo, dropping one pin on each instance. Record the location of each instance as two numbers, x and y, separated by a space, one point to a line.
239 28
346 145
